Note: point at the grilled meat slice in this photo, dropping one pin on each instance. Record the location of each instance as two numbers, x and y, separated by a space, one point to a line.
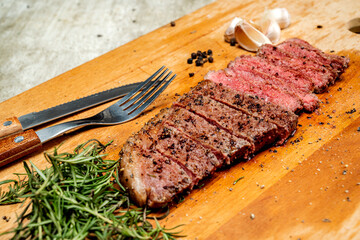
151 178
319 75
227 146
288 75
255 130
192 156
265 91
286 121
286 82
331 61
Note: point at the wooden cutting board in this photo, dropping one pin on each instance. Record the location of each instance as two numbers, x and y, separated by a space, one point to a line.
307 189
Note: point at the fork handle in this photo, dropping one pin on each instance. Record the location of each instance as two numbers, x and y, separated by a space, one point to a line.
18 145
10 126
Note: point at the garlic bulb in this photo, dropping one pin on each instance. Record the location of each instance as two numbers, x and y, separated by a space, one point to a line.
230 31
280 15
248 37
271 29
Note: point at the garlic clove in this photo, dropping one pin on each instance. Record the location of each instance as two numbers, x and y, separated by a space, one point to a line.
254 24
280 15
248 37
271 29
230 31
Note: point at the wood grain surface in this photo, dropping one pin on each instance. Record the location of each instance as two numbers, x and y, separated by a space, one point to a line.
308 189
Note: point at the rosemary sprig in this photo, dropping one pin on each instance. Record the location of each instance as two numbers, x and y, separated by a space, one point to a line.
78 197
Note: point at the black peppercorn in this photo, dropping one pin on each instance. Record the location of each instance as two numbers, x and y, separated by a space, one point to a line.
232 42
211 59
193 55
172 23
191 74
198 63
209 52
204 54
189 61
199 53
319 26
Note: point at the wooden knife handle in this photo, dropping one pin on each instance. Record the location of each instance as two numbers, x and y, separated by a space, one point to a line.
10 126
17 146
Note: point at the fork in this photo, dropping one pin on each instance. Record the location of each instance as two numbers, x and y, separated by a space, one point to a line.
126 109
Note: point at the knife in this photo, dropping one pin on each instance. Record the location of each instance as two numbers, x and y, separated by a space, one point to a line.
15 125
18 145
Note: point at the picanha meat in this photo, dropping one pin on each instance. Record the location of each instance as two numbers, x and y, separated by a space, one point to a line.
229 117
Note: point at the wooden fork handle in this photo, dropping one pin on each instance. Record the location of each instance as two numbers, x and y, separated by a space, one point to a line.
10 126
17 146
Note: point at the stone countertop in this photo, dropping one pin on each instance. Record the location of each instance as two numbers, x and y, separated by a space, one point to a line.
41 39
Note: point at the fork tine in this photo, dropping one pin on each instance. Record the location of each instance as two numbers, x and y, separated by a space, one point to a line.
150 100
143 99
153 83
133 92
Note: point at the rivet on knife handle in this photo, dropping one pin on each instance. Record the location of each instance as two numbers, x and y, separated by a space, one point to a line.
10 126
17 146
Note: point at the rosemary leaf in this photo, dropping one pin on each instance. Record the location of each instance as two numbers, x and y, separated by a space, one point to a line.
78 197
235 182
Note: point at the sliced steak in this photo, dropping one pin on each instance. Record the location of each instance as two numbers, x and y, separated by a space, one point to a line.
227 146
341 62
286 121
229 116
300 52
254 77
151 178
255 130
197 160
267 92
262 65
319 75
309 101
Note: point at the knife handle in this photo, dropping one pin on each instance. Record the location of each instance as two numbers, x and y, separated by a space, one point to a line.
10 126
17 146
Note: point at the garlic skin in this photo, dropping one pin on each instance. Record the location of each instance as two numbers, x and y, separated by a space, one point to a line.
271 29
230 31
280 15
248 37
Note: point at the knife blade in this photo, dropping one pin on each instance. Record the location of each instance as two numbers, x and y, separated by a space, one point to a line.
14 125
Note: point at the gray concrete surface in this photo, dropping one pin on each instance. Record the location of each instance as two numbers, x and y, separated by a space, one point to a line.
41 39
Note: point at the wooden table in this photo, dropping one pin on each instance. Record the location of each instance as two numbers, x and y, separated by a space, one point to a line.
309 188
